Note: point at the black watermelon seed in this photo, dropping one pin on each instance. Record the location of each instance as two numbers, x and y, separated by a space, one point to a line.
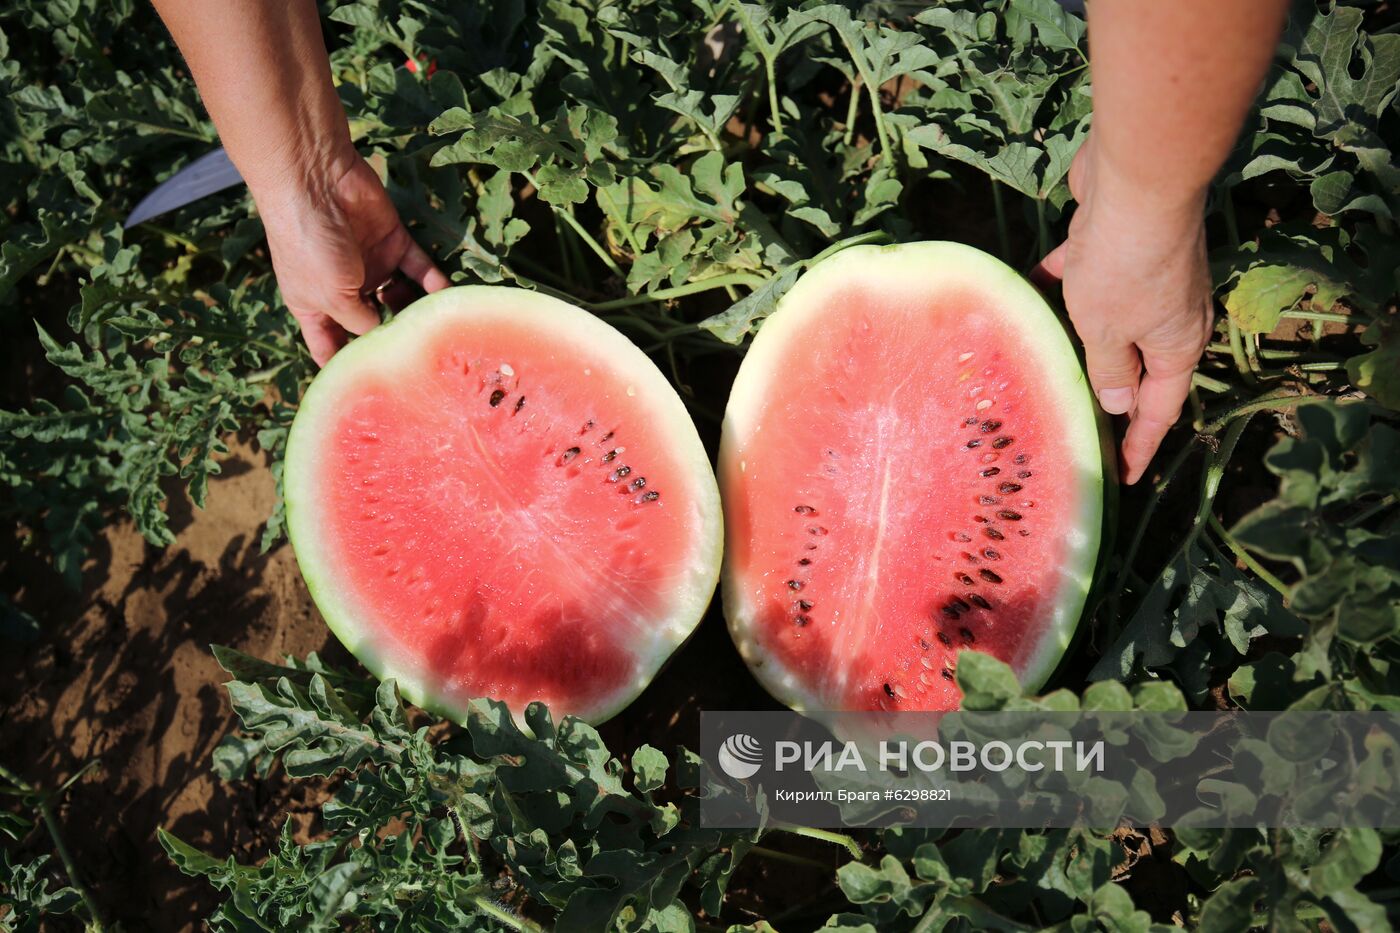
990 425
945 640
1024 474
989 576
609 456
988 500
588 425
947 674
979 601
975 442
991 472
817 530
794 585
804 561
1009 488
1009 515
804 510
804 604
651 496
520 403
496 397
619 473
801 620
569 454
961 605
951 611
1001 442
638 483
991 553
969 421
966 634
923 645
964 579
994 534
1020 458
888 692
1024 533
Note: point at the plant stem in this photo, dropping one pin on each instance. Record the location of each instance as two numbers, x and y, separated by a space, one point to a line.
70 866
501 915
1317 316
879 120
1237 351
1149 509
1247 559
1198 415
583 234
773 107
173 237
851 112
1199 380
1276 402
775 855
680 291
1003 231
840 839
1042 227
1369 511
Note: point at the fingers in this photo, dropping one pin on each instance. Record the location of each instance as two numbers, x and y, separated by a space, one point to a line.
1051 269
1114 369
353 312
323 336
418 266
1159 402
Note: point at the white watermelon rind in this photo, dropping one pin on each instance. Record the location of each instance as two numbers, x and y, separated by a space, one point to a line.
397 344
1065 386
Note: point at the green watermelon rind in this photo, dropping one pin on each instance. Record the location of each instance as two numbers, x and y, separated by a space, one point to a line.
394 344
1067 384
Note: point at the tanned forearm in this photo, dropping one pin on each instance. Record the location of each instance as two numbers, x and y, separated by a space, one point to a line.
262 70
335 237
1173 81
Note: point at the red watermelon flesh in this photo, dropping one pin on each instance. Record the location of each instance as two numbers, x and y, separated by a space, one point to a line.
911 466
498 495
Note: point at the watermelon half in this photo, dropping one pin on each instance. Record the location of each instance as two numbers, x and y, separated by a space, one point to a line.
498 495
911 465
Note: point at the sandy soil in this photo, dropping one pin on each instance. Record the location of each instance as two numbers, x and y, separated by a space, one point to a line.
123 675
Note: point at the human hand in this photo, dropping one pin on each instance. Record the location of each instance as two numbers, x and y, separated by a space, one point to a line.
1138 290
335 237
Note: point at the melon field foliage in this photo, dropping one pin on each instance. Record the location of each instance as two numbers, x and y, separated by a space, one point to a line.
673 166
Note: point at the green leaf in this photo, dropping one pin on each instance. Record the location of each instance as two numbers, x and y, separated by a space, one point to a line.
1263 292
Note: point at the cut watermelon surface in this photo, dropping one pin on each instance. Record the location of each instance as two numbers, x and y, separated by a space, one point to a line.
911 466
499 495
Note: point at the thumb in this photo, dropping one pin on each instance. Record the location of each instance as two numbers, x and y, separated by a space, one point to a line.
1051 269
1114 371
353 312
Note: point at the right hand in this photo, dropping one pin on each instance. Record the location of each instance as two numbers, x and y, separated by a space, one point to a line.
335 237
1138 290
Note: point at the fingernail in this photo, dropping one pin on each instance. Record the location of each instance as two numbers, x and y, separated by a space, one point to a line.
1116 401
